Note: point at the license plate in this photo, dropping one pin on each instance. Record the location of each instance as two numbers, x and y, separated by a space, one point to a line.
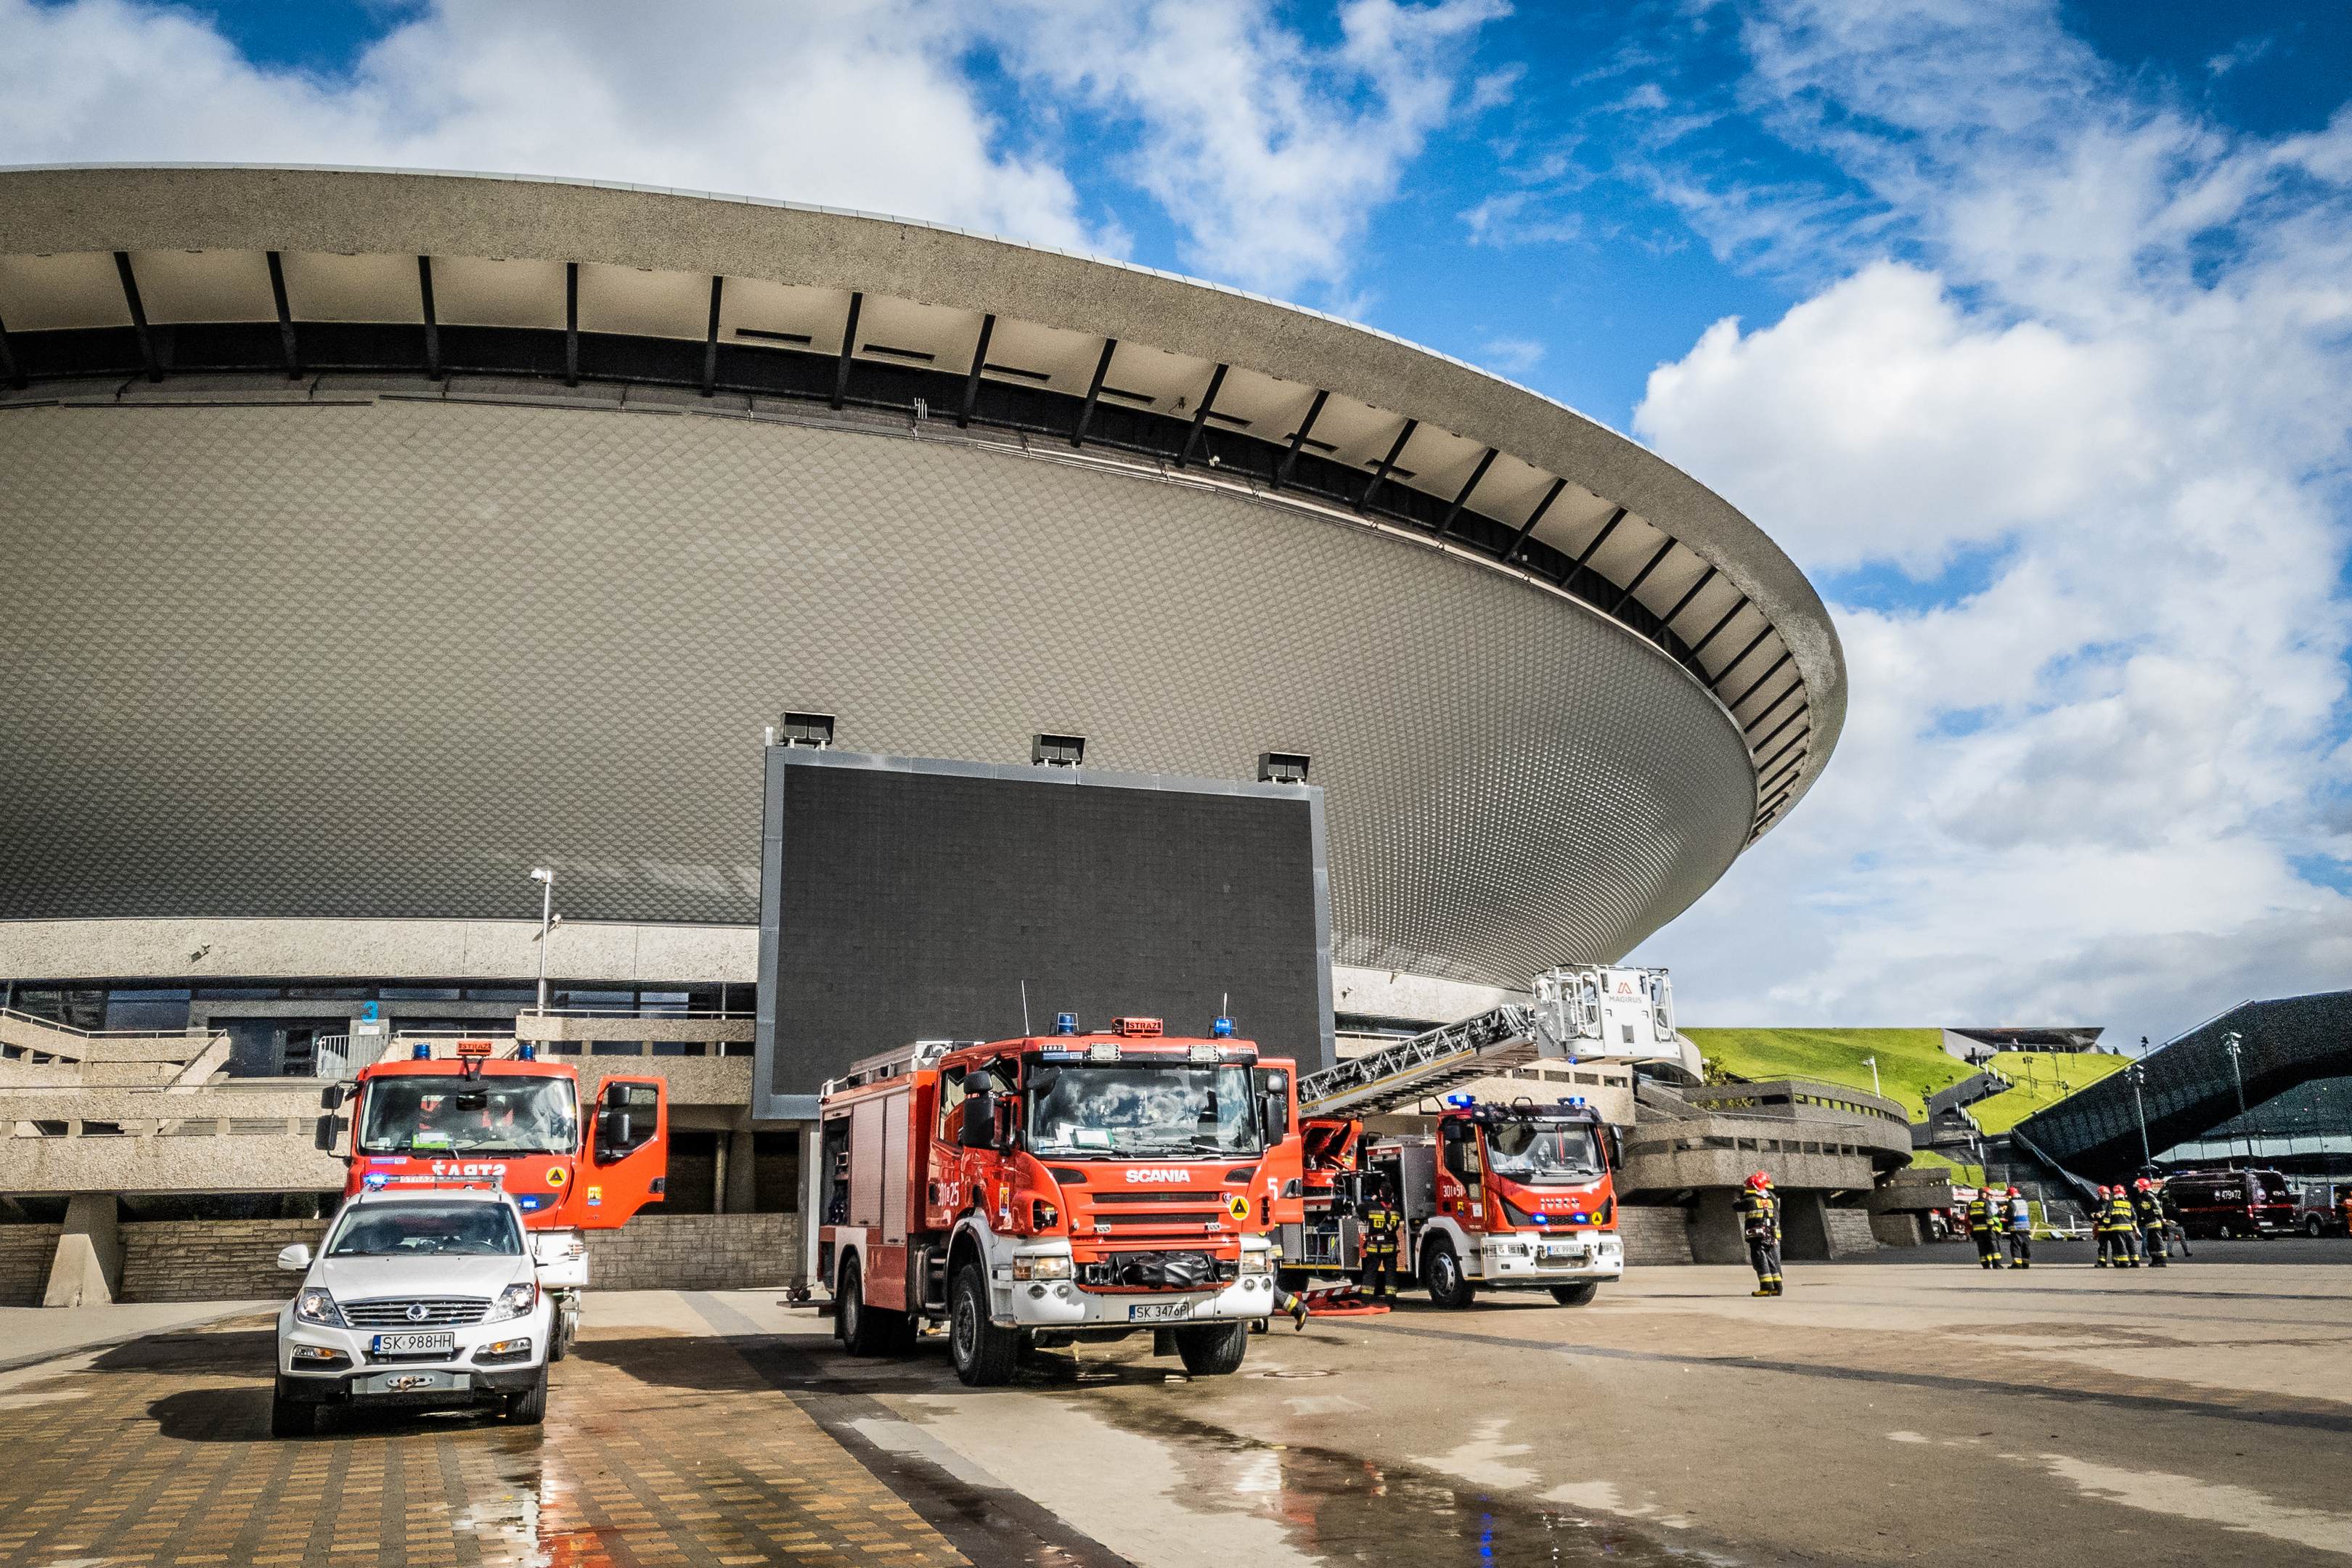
1564 1249
414 1345
1158 1312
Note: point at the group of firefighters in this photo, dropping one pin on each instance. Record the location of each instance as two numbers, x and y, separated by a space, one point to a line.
2128 1222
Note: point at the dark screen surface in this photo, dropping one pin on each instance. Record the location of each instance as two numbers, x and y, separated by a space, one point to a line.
906 900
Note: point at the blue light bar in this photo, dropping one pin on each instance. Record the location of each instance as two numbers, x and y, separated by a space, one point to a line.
1065 1023
1460 1100
1222 1029
420 1051
526 1052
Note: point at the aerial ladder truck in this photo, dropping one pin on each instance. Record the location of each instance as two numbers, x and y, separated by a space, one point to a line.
1496 1196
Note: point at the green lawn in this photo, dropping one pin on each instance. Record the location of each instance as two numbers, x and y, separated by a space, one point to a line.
2038 1081
1912 1063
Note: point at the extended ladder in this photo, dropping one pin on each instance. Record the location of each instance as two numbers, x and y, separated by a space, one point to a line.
1428 1064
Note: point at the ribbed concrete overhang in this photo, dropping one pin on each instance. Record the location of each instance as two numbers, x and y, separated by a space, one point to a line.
103 211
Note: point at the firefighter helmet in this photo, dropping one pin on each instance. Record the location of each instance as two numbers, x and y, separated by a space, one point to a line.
1759 1180
2014 1190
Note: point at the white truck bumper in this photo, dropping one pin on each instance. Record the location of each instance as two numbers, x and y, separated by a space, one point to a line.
1538 1263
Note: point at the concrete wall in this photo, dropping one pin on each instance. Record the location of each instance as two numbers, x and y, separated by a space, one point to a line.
1654 1236
211 1260
1895 1229
698 1252
25 1251
1849 1232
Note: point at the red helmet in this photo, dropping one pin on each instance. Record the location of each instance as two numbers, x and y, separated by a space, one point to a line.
1759 1180
2014 1190
2106 1191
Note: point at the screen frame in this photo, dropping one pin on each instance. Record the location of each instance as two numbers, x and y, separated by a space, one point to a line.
781 760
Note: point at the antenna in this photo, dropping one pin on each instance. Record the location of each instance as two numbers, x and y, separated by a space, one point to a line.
1025 1007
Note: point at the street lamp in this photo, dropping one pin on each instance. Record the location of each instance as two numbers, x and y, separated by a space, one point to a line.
545 877
1874 1076
2138 1075
2232 1042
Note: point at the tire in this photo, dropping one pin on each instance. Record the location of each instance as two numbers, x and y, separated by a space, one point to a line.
1578 1294
291 1418
529 1408
2311 1227
561 1328
984 1354
1448 1285
863 1329
1212 1352
2225 1231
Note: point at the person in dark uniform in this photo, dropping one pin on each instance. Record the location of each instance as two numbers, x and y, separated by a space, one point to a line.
2126 1227
2103 1230
1760 1223
2148 1215
1383 1225
2018 1224
1988 1217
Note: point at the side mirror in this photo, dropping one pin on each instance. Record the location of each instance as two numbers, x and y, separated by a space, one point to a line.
332 1097
1616 1139
979 1128
294 1259
612 1129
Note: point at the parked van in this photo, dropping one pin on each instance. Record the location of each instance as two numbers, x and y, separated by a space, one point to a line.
2225 1204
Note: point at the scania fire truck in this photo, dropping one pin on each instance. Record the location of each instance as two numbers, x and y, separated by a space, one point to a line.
1051 1189
515 1122
1515 1195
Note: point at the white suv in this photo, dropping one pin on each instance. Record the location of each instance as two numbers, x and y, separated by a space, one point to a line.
416 1298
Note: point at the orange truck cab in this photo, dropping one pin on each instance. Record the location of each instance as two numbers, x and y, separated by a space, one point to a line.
1055 1188
516 1123
1502 1197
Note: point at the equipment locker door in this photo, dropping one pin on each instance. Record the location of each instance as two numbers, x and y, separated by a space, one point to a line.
894 1110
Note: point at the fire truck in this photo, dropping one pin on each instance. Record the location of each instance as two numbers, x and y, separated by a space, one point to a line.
1518 1195
1054 1189
515 1122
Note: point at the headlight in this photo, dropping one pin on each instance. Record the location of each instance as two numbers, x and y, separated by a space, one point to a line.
1041 1269
514 1301
1257 1263
316 1306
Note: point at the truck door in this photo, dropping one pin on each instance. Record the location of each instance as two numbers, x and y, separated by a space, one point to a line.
627 1164
1279 1192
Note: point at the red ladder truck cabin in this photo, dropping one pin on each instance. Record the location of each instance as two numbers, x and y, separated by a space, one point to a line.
516 1123
1054 1189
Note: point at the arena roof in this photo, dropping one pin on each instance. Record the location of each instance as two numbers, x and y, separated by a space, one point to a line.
371 593
100 264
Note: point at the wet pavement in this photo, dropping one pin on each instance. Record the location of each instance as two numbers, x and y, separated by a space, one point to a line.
1919 1414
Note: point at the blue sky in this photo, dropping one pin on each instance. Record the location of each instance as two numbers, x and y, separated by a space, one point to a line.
2023 325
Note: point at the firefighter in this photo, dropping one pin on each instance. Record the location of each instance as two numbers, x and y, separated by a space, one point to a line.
1986 1214
1291 1304
1759 1223
2148 1215
2126 1227
1383 1225
2103 1230
2020 1228
2345 1205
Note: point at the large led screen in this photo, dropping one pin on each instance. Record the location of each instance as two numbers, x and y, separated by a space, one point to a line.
906 900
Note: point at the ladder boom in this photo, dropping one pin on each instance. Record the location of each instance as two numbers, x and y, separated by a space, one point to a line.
1427 1064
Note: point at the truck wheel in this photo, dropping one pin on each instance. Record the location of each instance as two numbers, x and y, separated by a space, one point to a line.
2311 1227
1448 1285
984 1354
863 1329
1578 1294
1212 1352
529 1408
291 1417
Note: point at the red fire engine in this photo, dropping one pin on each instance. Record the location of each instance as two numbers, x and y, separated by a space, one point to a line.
1053 1189
515 1121
1514 1196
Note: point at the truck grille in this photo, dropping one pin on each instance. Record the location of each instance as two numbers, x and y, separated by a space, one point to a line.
440 1313
1159 1271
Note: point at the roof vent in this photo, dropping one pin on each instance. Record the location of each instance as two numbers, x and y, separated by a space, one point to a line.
812 731
1057 750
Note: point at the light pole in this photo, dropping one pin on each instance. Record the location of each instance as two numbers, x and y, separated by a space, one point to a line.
545 877
2138 1075
2232 1042
1874 1077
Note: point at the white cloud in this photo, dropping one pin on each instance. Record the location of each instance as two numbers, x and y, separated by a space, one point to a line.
2086 788
1268 154
1516 355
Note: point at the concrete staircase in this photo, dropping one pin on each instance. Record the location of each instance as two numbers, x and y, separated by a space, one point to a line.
40 1054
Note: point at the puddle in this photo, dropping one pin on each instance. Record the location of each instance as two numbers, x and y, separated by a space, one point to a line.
2184 1497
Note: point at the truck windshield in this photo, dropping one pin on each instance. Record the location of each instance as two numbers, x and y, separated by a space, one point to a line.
1541 1152
405 1115
1110 1108
422 1229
